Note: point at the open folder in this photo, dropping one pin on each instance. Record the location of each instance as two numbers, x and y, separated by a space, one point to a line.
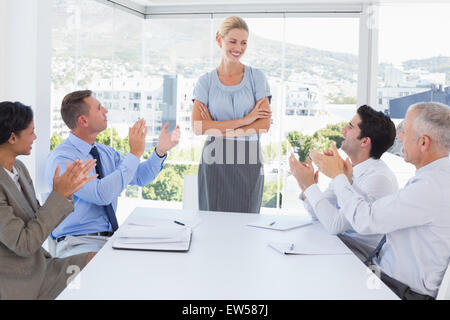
160 238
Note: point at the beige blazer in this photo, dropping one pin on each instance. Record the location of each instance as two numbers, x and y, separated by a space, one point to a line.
27 271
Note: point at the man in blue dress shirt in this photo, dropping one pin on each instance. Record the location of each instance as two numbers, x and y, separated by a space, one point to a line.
93 220
414 254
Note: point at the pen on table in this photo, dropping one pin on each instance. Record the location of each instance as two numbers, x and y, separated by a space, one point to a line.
272 223
178 222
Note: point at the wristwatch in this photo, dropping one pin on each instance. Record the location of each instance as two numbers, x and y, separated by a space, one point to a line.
158 153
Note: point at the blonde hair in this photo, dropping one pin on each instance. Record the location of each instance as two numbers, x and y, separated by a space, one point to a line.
231 23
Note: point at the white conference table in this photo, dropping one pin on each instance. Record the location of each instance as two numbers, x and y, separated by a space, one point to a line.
227 260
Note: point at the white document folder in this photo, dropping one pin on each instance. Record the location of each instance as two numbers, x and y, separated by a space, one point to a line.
158 238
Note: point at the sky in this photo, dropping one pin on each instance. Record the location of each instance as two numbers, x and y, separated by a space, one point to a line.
406 31
415 31
321 33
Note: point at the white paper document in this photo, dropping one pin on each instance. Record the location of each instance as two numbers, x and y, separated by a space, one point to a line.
188 221
281 224
309 248
166 237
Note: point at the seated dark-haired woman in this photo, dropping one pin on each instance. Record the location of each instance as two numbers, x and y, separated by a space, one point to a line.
27 271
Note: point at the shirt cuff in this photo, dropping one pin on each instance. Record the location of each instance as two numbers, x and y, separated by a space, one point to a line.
340 182
303 201
156 161
313 195
300 197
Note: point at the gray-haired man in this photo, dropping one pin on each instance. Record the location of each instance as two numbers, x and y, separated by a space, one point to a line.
414 254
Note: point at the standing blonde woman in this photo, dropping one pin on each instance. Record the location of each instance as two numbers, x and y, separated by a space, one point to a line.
231 107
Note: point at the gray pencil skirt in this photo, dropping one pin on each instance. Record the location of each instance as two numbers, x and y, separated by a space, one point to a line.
230 176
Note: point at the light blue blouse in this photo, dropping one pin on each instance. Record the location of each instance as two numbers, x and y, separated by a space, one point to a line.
231 102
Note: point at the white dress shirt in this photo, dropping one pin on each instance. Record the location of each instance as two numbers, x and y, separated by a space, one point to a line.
416 221
14 176
372 179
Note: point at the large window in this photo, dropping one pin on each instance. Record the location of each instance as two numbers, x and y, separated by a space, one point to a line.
148 68
414 62
414 57
315 85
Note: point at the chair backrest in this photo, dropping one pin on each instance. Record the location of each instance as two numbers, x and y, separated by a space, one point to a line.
444 289
190 192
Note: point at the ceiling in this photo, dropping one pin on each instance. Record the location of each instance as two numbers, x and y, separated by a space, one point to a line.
153 8
213 2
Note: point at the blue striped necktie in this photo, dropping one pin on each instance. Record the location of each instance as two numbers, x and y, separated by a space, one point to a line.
99 170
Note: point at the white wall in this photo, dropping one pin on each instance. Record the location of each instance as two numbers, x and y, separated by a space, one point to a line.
25 64
2 49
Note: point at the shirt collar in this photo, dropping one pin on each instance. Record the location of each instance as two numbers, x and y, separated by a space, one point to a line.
442 162
14 175
362 167
80 144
